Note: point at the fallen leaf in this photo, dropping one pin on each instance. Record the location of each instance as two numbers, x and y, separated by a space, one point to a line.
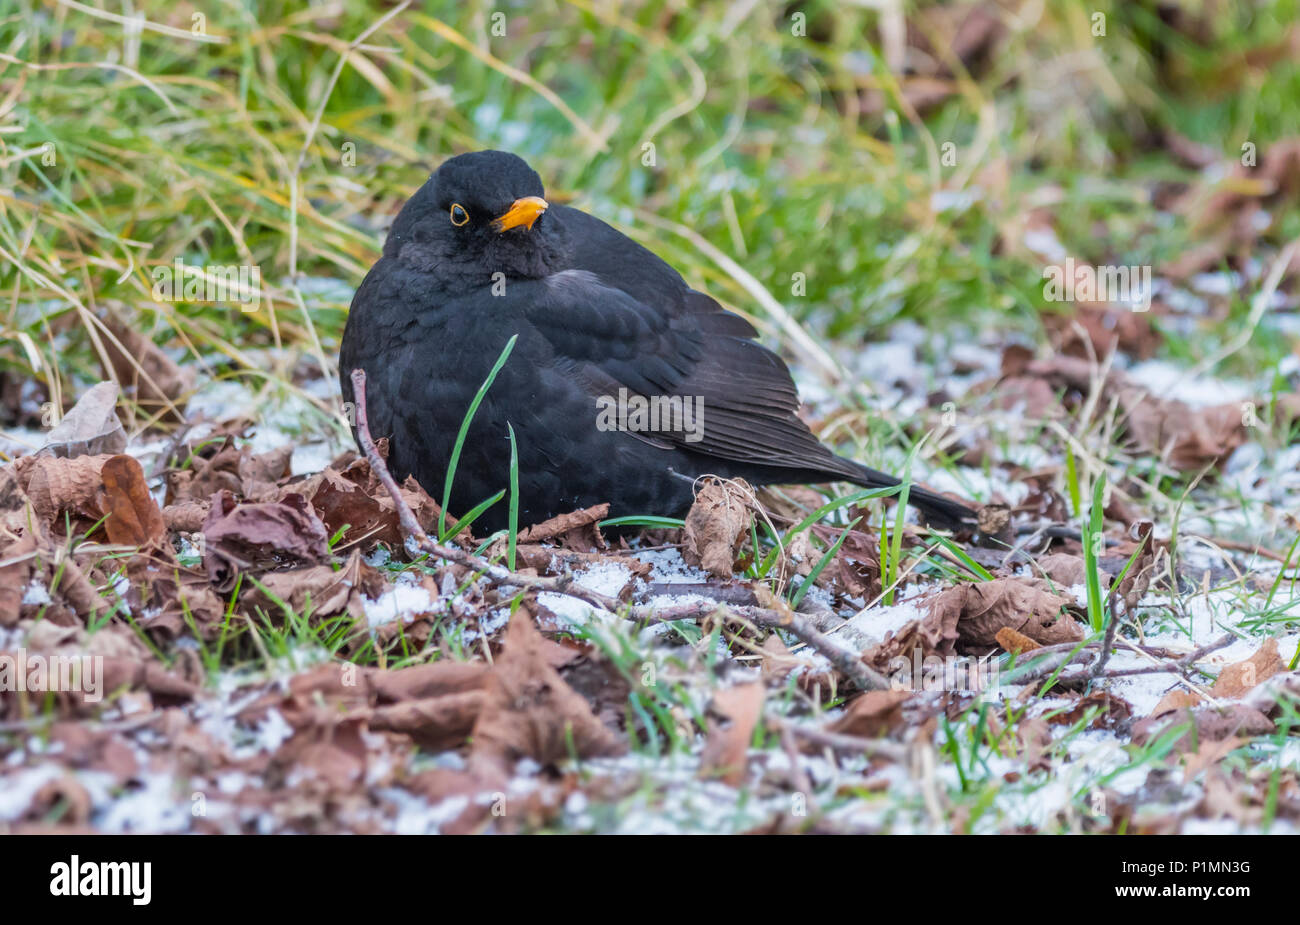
146 373
529 710
18 544
1025 605
1238 678
57 485
133 515
872 714
260 536
1015 641
1188 438
715 526
91 428
576 530
935 634
733 714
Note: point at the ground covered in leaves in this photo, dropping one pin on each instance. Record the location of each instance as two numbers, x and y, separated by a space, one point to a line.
277 659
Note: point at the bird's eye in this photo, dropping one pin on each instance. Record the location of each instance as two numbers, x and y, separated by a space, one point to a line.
458 214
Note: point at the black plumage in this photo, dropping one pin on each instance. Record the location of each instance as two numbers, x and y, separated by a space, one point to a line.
477 256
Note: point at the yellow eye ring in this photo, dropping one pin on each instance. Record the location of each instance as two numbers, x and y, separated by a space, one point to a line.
458 214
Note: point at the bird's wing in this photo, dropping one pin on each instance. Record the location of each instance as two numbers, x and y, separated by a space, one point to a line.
607 340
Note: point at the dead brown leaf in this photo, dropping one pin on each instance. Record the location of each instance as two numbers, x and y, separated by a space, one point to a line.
1026 605
733 714
872 714
146 373
716 525
91 428
260 536
133 515
531 712
1189 438
576 530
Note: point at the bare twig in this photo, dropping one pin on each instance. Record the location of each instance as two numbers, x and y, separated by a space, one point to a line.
838 741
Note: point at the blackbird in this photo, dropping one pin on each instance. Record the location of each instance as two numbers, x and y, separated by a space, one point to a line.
624 384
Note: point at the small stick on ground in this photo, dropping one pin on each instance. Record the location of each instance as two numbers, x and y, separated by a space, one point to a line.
838 741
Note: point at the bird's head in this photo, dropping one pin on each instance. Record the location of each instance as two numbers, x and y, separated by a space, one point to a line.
479 214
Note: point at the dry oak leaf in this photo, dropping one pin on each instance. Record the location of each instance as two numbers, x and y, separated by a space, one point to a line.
56 485
716 524
531 712
733 714
1026 605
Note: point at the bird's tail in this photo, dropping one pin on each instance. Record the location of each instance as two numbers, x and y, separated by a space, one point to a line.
938 509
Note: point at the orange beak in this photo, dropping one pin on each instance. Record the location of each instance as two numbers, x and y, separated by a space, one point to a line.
522 212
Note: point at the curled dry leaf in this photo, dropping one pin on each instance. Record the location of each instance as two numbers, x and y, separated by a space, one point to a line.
1097 328
253 477
18 544
1190 438
246 537
353 498
1233 682
577 530
1015 641
855 569
1025 605
321 590
173 600
733 714
186 516
715 526
934 634
1240 677
57 485
435 723
1067 571
91 428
